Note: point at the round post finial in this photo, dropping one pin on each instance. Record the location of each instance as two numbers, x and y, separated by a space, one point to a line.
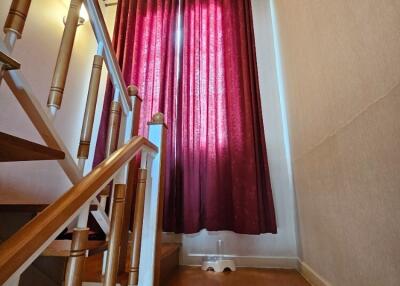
158 118
133 90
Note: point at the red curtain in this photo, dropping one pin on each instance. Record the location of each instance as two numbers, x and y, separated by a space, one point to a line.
144 41
207 86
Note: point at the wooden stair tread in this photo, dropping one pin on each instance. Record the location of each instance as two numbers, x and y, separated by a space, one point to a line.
61 248
17 149
28 208
8 62
22 208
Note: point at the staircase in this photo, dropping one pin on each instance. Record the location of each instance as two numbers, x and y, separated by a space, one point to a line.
96 233
169 262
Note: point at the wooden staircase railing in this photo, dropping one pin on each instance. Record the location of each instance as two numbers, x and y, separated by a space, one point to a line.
23 92
108 181
20 87
24 246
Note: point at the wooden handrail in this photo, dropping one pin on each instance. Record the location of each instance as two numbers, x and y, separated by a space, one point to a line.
24 244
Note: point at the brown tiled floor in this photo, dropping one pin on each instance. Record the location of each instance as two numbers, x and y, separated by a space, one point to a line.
194 276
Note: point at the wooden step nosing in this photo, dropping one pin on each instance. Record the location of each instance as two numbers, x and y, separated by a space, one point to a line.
18 149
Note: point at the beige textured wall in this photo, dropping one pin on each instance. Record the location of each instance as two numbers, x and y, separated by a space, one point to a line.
341 63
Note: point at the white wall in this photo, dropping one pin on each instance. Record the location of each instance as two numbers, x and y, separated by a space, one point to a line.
42 182
266 250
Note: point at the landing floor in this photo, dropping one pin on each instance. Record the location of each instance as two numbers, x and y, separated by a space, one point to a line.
194 276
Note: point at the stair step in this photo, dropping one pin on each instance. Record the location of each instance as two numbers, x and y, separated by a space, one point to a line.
8 62
17 149
22 208
168 249
61 248
169 261
28 208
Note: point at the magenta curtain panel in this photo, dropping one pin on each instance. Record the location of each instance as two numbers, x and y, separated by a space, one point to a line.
206 84
144 41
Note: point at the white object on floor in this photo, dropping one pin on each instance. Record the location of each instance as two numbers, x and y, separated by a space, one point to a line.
219 265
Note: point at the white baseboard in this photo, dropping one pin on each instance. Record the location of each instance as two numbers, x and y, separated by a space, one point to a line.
311 276
246 261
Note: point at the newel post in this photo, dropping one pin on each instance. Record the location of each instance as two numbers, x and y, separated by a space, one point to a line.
149 266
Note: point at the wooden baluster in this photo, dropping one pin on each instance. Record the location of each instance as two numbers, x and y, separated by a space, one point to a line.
137 104
15 24
76 261
111 145
64 57
113 126
137 228
87 126
16 17
112 138
134 165
103 198
110 277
